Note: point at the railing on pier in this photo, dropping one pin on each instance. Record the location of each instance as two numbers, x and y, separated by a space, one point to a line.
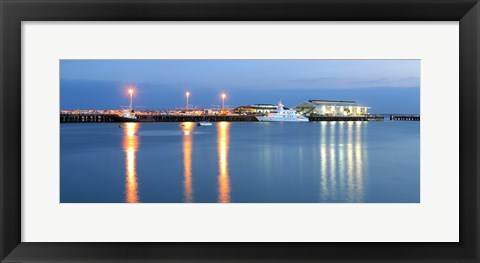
405 117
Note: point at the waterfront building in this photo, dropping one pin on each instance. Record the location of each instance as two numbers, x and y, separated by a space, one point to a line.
331 108
257 109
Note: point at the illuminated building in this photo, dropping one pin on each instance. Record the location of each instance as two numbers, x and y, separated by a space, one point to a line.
331 108
261 109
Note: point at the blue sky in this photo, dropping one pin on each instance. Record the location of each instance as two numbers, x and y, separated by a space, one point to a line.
388 86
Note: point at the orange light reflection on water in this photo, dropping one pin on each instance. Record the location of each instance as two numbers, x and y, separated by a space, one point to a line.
223 178
130 146
187 128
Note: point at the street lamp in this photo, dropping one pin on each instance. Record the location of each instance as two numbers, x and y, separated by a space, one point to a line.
131 95
187 94
223 101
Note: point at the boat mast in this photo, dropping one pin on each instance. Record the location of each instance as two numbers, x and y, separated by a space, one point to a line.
280 106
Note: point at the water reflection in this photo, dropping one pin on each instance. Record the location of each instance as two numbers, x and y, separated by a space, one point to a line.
333 175
341 156
323 162
223 179
130 146
163 163
359 163
187 128
350 197
342 164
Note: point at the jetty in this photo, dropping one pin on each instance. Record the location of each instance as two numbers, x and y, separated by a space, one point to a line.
82 117
89 118
405 117
347 118
94 117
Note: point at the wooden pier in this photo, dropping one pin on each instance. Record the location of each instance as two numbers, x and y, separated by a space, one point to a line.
90 118
66 118
195 118
405 117
347 118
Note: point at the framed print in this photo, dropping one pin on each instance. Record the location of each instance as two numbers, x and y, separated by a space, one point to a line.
241 143
239 131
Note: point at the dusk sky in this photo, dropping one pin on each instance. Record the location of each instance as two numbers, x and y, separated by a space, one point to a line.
387 86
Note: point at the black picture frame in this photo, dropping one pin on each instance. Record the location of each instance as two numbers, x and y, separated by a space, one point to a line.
13 12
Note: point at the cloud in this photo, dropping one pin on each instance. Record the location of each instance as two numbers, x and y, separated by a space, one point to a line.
311 80
398 82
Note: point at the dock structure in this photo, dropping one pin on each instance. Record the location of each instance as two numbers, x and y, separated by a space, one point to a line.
91 118
347 118
195 118
66 118
405 117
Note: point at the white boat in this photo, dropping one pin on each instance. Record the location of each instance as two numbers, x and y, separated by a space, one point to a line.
128 116
204 123
282 114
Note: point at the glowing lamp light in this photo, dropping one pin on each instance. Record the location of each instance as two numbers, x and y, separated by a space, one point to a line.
223 101
187 95
130 91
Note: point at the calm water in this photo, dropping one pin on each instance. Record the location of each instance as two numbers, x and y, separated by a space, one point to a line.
240 162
